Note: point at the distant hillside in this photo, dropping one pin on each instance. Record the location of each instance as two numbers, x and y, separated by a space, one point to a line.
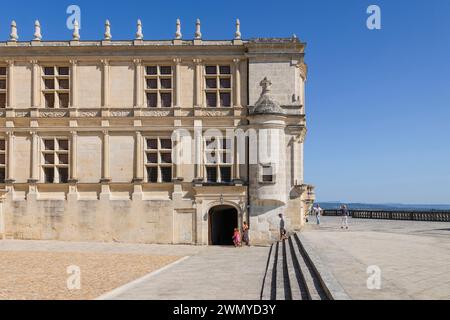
385 206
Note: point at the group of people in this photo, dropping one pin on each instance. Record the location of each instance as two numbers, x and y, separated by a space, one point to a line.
245 237
344 213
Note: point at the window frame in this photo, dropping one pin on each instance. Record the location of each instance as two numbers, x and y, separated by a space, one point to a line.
218 90
219 152
159 91
3 152
4 92
55 165
159 164
56 90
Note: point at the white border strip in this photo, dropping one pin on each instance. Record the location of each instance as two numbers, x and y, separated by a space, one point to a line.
118 291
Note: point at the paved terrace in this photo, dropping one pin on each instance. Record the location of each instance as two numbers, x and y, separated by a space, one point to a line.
414 257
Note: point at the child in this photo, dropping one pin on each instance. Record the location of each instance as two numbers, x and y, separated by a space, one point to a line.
237 238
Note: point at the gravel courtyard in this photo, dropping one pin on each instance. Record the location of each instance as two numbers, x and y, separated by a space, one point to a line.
43 275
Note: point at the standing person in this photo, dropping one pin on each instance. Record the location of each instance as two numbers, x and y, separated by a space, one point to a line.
282 228
318 212
237 238
245 236
345 213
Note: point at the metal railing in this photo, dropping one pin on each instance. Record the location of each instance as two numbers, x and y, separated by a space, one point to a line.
438 216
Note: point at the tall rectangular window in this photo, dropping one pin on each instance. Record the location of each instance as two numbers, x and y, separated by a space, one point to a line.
218 86
3 86
158 154
55 160
56 86
218 160
159 86
2 160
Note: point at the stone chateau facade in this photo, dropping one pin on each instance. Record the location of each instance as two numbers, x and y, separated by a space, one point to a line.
176 141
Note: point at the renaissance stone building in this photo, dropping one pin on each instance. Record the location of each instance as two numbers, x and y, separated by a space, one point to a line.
176 141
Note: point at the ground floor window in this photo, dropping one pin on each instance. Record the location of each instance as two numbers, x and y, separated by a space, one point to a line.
55 160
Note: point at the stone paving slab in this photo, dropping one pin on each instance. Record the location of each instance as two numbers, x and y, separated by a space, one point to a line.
414 257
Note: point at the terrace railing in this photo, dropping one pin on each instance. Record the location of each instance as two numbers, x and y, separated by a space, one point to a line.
438 216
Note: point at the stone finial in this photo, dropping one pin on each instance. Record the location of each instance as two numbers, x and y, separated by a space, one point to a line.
265 84
107 30
76 31
198 33
37 31
237 35
178 34
139 34
13 36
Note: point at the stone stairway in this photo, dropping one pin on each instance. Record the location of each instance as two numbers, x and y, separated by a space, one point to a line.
290 274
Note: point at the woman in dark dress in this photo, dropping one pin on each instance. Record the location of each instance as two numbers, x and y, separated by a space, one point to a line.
245 237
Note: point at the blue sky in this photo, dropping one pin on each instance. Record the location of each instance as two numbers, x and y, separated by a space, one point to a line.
377 101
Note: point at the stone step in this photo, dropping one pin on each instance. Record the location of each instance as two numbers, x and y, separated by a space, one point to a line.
268 292
311 280
293 272
281 280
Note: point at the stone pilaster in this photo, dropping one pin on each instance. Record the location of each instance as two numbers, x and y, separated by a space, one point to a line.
237 83
105 83
139 85
73 84
10 87
106 177
198 101
36 84
34 157
139 158
177 102
198 136
73 156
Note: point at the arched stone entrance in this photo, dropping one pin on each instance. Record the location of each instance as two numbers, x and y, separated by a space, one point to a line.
222 221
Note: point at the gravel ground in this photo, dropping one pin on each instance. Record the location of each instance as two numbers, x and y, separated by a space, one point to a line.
44 276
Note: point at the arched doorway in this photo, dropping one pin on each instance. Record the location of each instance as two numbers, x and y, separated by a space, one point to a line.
222 221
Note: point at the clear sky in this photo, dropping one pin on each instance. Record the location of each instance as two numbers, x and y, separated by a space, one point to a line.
378 101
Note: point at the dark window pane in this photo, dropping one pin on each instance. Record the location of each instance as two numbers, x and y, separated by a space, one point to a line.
151 70
166 83
211 100
225 70
166 100
152 84
2 100
63 100
152 100
166 174
49 175
63 175
63 83
63 71
152 173
49 158
2 145
225 99
152 158
2 175
49 71
63 159
166 157
267 175
50 100
225 83
49 144
2 159
2 71
49 84
225 174
63 144
165 70
152 144
211 83
2 84
211 174
166 144
211 70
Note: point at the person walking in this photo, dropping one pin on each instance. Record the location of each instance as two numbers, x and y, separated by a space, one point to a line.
245 236
283 233
345 214
318 212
